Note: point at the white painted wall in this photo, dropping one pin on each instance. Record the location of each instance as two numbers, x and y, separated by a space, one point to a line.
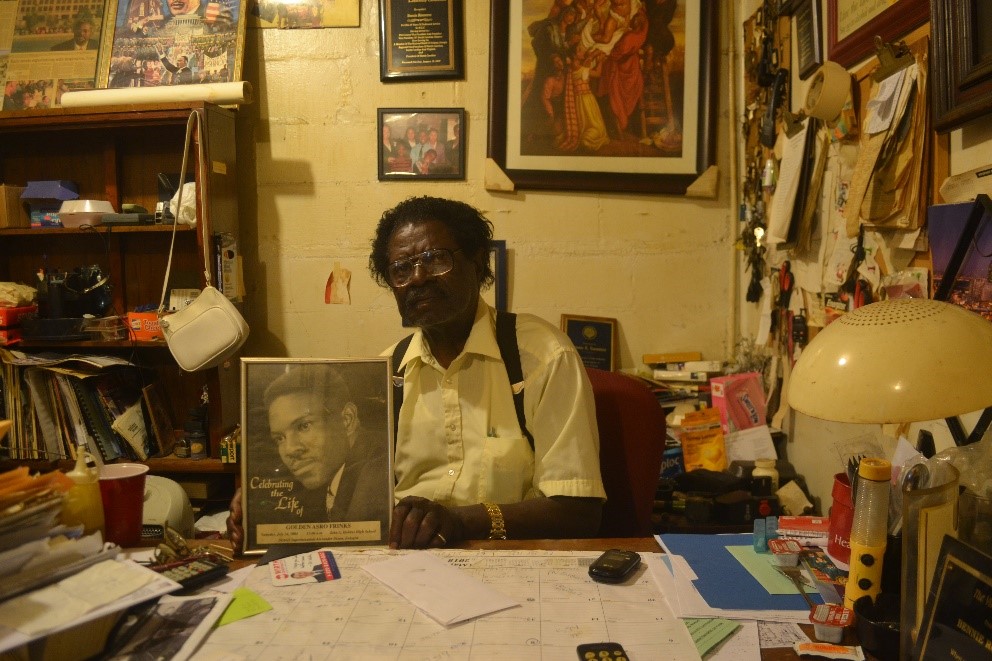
661 265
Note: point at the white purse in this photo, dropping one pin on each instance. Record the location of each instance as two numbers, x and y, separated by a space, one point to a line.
210 330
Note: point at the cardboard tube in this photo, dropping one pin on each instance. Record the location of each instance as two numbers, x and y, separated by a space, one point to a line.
238 92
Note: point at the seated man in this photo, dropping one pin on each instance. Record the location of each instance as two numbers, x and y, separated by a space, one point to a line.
464 467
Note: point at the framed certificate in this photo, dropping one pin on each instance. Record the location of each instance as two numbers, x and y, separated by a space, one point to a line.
957 623
421 40
317 462
595 338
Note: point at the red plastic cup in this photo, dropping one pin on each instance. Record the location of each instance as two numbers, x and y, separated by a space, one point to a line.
122 489
841 518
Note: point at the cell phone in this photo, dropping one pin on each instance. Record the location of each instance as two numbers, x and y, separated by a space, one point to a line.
602 652
614 566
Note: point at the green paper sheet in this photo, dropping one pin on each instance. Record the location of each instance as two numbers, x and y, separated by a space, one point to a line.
760 566
244 604
707 633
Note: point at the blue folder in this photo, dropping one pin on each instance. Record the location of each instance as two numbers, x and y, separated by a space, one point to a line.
722 581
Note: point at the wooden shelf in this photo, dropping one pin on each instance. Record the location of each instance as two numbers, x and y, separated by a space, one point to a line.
99 229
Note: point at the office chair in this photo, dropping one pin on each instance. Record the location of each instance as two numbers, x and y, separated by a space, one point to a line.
631 443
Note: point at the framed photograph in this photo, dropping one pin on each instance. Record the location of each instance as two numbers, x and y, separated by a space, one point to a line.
852 25
960 237
318 443
628 105
961 34
957 621
48 49
421 40
179 42
809 37
595 338
426 143
296 14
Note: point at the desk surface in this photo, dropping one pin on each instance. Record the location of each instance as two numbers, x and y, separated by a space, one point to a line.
641 544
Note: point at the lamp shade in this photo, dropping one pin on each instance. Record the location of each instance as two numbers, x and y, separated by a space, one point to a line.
901 360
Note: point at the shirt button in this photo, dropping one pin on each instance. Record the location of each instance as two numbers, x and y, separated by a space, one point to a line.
451 471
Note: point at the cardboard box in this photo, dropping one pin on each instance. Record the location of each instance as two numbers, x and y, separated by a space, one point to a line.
44 198
12 316
144 327
13 212
740 398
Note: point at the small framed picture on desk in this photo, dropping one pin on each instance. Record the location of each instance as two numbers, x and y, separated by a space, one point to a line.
595 338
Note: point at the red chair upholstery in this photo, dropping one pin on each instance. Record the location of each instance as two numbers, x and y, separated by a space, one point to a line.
632 440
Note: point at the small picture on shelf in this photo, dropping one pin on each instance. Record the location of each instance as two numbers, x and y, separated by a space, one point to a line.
160 423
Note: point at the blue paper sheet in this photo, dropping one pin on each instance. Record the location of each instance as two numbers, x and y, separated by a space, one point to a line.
722 581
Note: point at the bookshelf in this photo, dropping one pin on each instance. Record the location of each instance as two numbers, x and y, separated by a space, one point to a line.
116 153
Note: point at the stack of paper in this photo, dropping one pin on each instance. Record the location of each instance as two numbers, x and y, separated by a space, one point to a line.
722 576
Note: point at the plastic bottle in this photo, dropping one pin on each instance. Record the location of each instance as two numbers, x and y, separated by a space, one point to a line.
83 504
869 530
766 468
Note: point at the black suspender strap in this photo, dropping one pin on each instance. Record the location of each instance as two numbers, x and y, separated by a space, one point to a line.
506 340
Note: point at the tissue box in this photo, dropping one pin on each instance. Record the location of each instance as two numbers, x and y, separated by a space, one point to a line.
740 399
12 210
45 197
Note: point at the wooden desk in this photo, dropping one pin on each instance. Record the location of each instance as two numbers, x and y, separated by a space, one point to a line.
640 544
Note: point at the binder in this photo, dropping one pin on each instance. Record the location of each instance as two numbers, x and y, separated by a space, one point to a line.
95 420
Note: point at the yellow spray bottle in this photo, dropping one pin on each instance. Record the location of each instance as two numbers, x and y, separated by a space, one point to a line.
83 504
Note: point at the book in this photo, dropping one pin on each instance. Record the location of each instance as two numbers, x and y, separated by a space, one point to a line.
679 375
97 421
828 578
670 357
713 366
159 421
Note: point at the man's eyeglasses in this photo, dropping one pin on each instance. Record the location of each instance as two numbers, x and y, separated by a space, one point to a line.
433 262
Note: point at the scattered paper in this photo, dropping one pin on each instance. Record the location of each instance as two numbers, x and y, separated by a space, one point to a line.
445 593
244 603
707 633
780 634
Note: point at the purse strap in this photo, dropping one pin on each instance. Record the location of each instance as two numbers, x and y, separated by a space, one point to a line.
193 121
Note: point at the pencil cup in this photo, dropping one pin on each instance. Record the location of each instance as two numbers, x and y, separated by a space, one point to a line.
841 518
122 488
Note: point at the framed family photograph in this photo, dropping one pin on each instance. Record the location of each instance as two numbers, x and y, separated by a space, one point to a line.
852 25
584 99
595 338
427 143
179 42
421 40
961 34
316 466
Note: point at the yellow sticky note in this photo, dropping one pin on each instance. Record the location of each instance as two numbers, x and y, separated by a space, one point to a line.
244 604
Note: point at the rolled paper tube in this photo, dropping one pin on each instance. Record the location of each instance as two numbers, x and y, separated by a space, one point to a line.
238 92
827 91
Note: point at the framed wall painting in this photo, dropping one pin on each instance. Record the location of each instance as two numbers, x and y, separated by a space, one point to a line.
316 466
423 143
628 106
176 43
595 338
421 40
961 34
809 37
297 14
852 25
47 49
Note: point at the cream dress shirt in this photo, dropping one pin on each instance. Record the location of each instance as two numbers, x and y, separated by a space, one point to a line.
458 439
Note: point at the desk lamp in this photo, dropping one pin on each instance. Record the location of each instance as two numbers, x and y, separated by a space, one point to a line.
898 361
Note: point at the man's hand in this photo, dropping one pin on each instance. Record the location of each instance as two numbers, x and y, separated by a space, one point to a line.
235 532
419 523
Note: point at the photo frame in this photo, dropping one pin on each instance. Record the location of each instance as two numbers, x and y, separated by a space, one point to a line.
961 38
422 143
852 26
958 608
650 142
40 61
158 44
809 37
421 40
496 295
960 238
304 14
317 451
595 338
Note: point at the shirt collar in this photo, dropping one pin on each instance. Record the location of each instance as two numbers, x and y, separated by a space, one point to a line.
481 339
